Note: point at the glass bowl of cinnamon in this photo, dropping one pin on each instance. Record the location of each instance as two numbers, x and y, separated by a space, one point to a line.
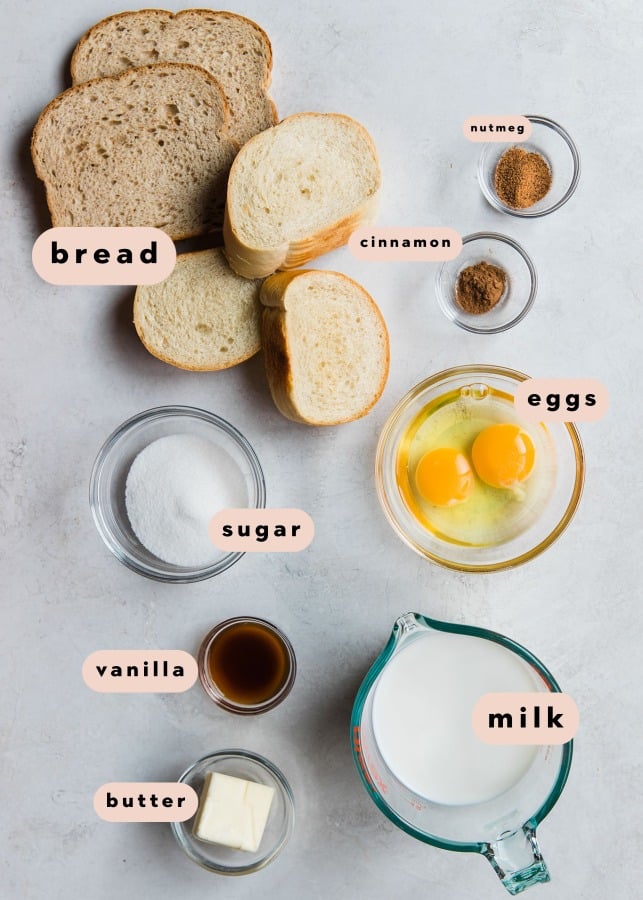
534 177
490 286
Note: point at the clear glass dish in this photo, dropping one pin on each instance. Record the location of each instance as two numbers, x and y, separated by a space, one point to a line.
212 689
520 291
107 485
279 827
567 475
559 151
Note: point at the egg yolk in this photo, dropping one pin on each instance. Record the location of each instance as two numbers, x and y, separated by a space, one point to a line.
503 455
443 477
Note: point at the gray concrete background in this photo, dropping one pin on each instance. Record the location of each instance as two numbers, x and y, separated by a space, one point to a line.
73 369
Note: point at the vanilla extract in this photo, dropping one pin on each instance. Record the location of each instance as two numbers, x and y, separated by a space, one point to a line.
246 665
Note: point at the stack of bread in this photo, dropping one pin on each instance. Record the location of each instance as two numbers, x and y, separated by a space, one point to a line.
169 124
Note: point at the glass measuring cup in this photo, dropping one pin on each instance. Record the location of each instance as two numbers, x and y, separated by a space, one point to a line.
503 828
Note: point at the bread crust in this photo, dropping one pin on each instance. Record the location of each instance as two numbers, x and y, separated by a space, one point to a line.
58 211
260 89
276 356
122 16
259 262
278 352
186 368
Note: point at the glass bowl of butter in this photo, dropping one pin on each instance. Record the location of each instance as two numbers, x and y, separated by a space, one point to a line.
246 813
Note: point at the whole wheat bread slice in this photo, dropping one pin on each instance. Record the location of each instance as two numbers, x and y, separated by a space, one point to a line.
299 190
147 147
232 48
325 345
203 317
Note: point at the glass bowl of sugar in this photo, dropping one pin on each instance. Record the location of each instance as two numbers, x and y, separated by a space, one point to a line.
157 482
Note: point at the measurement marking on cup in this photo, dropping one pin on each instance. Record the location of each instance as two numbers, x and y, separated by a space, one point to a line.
369 770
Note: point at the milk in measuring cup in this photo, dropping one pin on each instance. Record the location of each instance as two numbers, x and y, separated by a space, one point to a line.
422 717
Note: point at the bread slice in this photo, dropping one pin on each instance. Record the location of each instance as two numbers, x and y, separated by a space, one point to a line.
299 190
147 147
325 345
232 48
203 317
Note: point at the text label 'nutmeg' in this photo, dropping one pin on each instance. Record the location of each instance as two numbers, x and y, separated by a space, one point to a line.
497 129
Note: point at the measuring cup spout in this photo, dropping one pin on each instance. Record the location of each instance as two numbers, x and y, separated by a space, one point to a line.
406 624
517 860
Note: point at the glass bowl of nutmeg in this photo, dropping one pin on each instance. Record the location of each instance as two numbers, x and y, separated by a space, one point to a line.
534 177
490 286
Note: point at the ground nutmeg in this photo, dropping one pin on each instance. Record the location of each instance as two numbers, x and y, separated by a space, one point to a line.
480 287
521 178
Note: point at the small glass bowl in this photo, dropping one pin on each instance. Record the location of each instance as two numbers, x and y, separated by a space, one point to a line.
107 485
562 502
279 827
213 691
559 151
520 290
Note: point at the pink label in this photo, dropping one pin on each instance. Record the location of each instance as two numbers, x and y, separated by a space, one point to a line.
502 129
104 256
261 530
561 400
405 244
525 718
140 671
145 801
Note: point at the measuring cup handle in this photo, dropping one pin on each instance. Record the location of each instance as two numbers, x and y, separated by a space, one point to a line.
517 860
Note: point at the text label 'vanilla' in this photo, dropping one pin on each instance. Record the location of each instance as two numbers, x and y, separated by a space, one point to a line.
140 671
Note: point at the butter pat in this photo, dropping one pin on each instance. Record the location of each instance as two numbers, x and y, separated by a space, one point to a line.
232 812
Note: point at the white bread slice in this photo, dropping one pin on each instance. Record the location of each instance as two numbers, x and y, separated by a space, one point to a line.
299 190
325 345
203 317
147 147
232 48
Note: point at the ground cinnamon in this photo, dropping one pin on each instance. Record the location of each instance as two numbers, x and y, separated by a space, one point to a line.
480 287
521 178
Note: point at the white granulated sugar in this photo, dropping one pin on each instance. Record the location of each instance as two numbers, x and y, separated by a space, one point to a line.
174 487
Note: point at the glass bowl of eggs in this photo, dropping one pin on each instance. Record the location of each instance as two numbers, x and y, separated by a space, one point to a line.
466 482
